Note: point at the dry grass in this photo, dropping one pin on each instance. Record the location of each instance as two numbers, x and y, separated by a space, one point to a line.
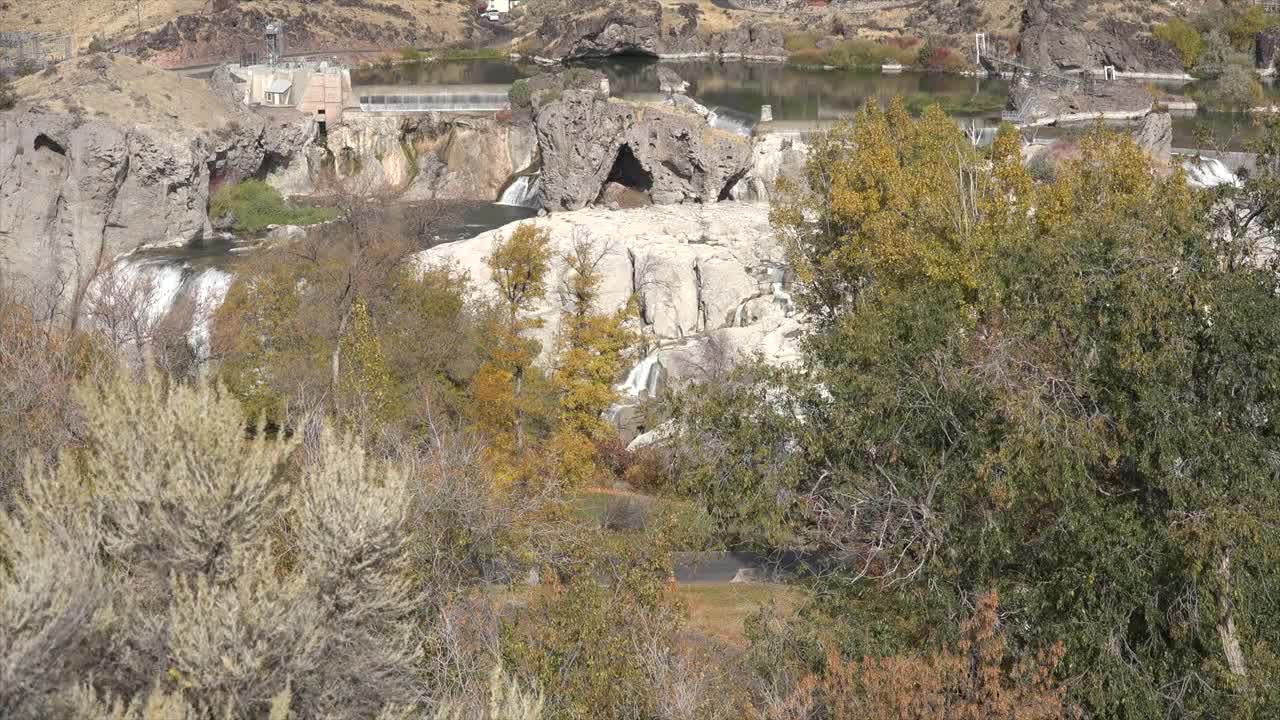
120 18
124 90
718 610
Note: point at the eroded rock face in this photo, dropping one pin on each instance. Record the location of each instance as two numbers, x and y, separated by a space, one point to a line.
73 196
441 156
773 157
701 274
1155 135
601 28
588 140
1055 36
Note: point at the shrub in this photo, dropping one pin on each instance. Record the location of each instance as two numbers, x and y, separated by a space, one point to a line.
1245 26
8 97
1238 89
800 42
944 59
410 54
255 205
1184 38
520 95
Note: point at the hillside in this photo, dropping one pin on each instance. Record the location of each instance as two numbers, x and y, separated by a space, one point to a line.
183 32
177 32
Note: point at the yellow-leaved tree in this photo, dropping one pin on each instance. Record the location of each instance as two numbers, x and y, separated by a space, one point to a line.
593 344
519 265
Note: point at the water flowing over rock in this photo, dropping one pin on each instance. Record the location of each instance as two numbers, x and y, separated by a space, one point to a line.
588 139
524 191
1209 172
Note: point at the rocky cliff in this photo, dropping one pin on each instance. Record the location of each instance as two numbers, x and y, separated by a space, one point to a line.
666 152
699 272
440 156
1055 35
564 29
104 155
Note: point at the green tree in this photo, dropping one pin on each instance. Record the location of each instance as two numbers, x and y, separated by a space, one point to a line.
1184 37
1074 410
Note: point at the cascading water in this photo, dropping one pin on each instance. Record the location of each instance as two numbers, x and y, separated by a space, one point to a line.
641 383
156 285
732 120
525 191
208 290
1209 172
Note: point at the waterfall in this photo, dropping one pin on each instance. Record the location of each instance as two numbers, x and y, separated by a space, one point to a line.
156 285
643 379
208 290
1209 172
732 120
525 191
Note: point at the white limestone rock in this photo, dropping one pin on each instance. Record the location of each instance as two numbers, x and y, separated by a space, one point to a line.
705 275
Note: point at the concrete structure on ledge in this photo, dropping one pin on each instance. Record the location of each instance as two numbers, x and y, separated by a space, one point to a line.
317 89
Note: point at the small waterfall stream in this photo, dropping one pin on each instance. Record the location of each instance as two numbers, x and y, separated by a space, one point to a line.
1209 172
524 191
732 120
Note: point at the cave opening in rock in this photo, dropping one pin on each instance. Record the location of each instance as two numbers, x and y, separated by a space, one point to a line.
44 142
628 172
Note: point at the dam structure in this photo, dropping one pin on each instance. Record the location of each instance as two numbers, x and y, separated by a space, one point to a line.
432 98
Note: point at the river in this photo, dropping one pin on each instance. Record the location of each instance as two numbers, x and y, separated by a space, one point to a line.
806 97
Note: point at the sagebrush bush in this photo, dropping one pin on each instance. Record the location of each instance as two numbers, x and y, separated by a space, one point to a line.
177 558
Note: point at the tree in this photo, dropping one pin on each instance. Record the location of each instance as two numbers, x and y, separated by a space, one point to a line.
592 347
1184 38
173 559
519 265
289 320
1238 89
973 681
1058 392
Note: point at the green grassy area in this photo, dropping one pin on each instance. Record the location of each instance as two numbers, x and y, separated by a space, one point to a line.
978 104
718 610
853 53
471 54
255 205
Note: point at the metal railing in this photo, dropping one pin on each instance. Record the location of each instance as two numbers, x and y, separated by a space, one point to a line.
21 51
435 102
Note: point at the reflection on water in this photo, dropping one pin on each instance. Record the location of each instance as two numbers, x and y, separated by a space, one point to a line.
806 94
802 94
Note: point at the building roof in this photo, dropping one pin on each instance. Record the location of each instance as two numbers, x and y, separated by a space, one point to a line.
280 86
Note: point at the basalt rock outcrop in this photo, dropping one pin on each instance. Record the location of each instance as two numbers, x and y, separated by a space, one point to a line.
78 189
774 157
1056 36
601 28
440 156
587 140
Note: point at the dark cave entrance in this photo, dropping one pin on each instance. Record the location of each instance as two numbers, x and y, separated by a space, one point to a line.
628 172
